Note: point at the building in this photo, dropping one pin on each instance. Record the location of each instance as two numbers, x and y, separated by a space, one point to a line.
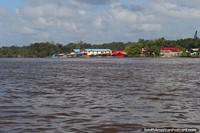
119 53
96 52
58 56
170 52
194 52
76 53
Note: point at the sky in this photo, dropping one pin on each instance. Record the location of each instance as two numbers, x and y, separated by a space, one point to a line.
23 22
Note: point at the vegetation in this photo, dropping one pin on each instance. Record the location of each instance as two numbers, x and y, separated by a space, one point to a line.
143 47
152 47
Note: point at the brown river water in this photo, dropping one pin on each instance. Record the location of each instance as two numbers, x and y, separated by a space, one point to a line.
98 95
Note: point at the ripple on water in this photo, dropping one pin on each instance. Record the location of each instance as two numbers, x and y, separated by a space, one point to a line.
98 95
117 128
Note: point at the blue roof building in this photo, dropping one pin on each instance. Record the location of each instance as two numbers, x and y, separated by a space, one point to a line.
91 52
77 51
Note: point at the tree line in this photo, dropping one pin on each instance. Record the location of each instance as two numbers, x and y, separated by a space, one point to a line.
133 49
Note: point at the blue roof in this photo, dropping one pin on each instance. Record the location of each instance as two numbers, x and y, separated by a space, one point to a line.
53 55
98 50
76 50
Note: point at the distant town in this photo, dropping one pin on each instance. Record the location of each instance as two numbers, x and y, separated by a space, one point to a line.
188 47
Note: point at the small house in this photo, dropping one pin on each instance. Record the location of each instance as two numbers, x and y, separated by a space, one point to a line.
58 56
61 56
170 52
76 52
119 53
194 52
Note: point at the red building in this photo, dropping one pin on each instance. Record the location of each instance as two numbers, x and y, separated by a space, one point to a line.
119 53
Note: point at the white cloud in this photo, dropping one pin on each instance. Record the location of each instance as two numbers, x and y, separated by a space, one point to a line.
27 30
94 2
174 10
124 15
133 19
98 21
151 27
70 26
82 12
46 10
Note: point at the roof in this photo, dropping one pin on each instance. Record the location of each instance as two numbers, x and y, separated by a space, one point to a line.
119 52
173 49
195 49
76 50
98 50
61 54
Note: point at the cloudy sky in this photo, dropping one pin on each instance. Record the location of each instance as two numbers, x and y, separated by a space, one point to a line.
23 22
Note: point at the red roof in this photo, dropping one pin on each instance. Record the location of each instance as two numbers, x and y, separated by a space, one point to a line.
118 52
173 49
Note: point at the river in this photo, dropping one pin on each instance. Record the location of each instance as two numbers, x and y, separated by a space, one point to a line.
98 95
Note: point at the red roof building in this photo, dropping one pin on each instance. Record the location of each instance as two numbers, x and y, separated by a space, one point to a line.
170 49
170 52
119 53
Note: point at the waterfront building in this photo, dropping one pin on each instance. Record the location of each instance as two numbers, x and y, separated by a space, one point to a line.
194 52
170 52
119 53
77 53
97 52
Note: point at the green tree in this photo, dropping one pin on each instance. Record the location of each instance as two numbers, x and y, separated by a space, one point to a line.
134 49
160 42
151 49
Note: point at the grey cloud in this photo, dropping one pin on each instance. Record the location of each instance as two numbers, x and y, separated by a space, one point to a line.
3 12
95 2
133 7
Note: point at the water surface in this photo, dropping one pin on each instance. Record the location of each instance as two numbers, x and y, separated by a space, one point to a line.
98 95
